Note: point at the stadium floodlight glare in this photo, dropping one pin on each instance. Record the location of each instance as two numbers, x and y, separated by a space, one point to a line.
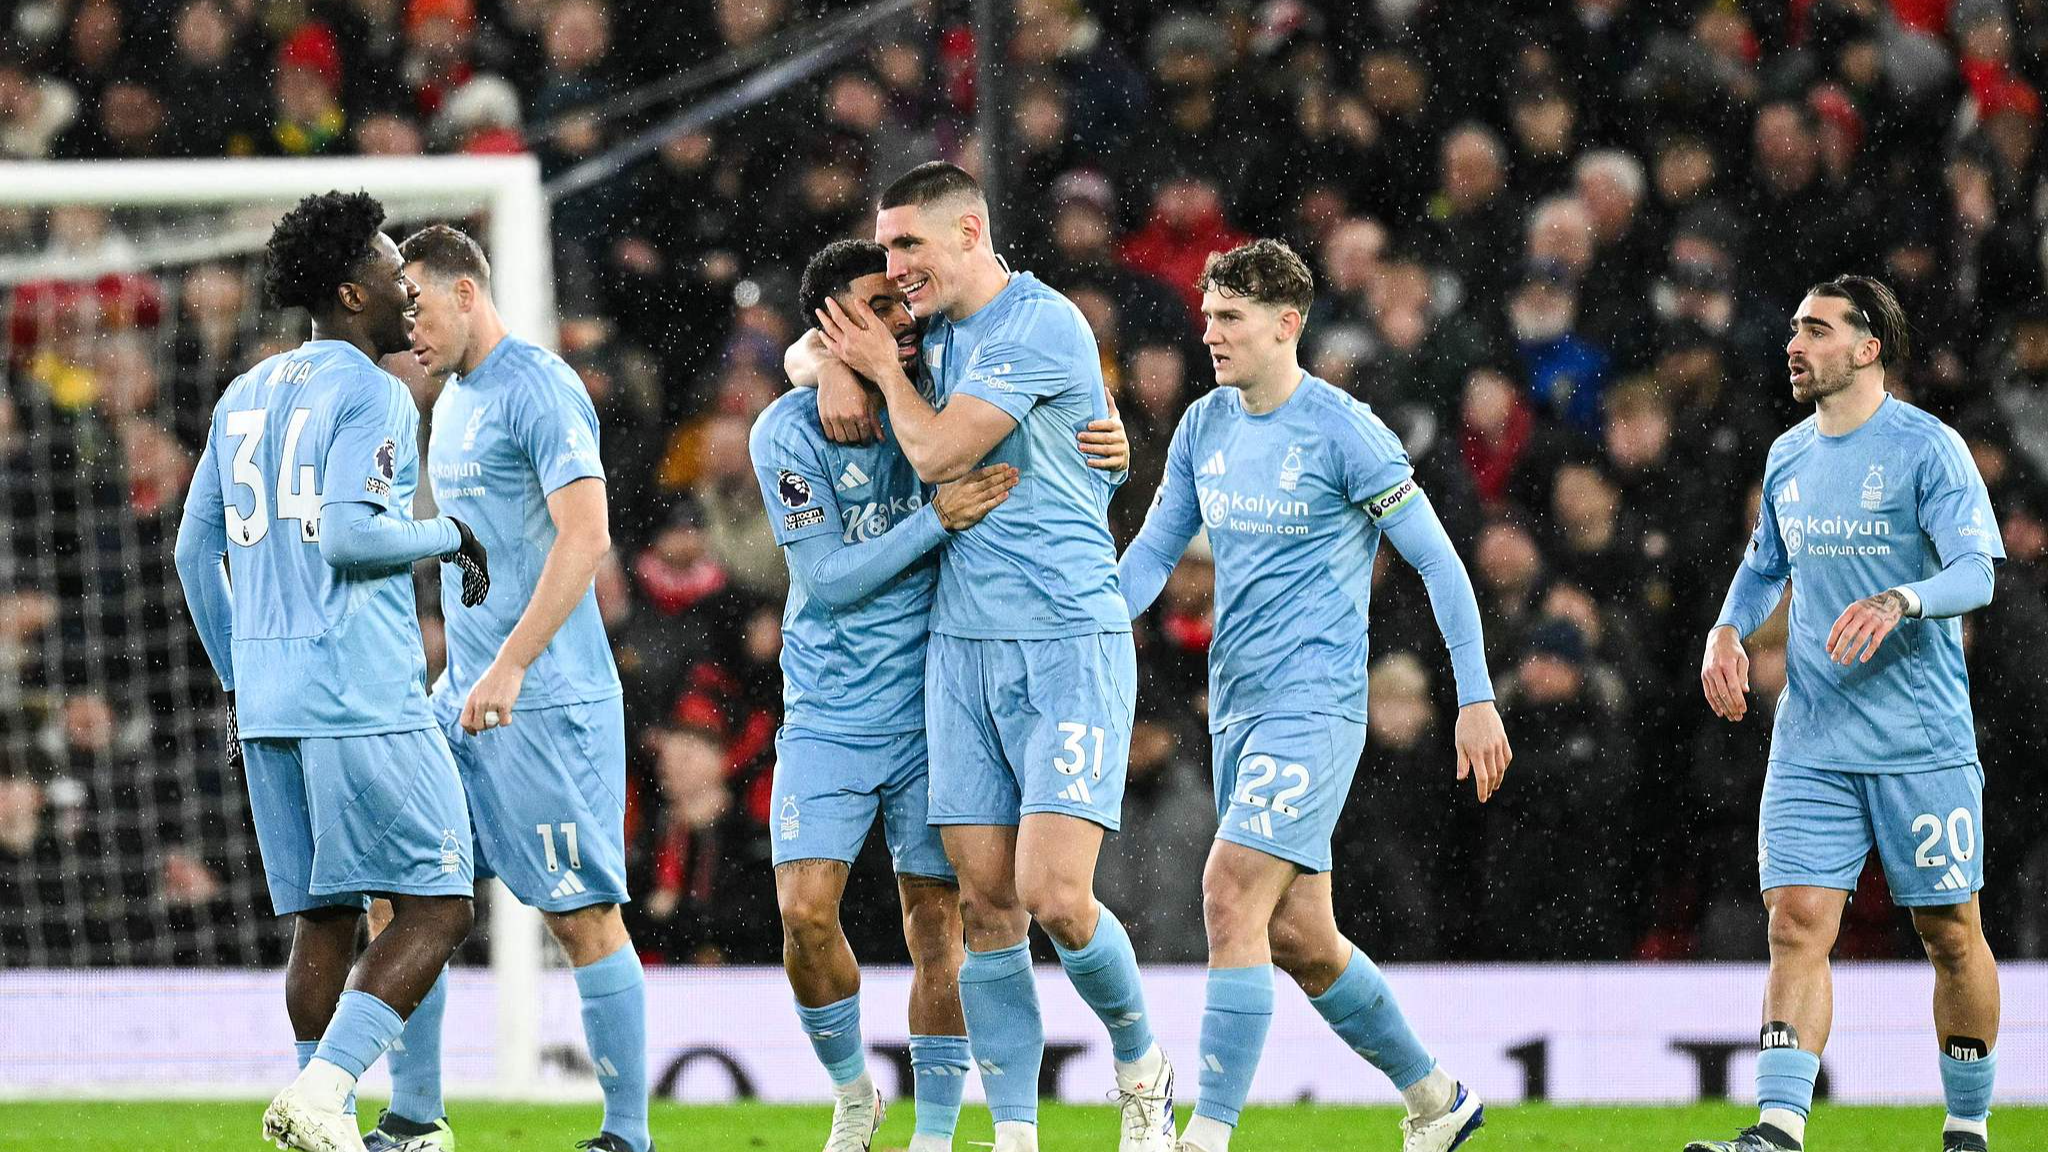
180 214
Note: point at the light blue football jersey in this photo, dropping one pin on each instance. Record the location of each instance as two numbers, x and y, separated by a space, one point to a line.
1294 501
1847 517
857 669
1043 564
318 651
505 437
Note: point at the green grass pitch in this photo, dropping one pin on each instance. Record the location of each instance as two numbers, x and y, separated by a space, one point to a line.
482 1127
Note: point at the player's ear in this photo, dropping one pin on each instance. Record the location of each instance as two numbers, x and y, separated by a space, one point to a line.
972 227
465 293
351 295
1290 325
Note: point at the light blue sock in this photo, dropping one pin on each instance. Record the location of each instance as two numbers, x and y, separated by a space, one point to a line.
1105 972
415 1060
614 993
362 1028
304 1049
1238 1010
1784 1079
1000 1000
1966 1084
835 1036
939 1065
1360 1008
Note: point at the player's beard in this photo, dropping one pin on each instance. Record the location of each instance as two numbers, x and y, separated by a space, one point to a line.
1820 384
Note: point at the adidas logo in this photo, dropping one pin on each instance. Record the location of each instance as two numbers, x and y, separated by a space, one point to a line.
606 1069
1210 1062
570 886
1791 493
940 1070
1213 466
1126 1020
989 1067
1953 880
1260 824
1077 792
852 477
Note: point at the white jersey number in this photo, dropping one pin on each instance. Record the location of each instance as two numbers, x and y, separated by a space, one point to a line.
1263 769
298 494
1962 838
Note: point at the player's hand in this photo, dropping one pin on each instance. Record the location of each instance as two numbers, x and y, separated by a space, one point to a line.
859 339
962 503
234 733
490 702
1862 626
469 556
1483 752
846 409
1105 444
1724 674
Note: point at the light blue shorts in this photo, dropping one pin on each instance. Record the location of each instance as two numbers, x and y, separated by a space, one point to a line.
1817 826
342 817
1281 781
829 787
547 795
1019 726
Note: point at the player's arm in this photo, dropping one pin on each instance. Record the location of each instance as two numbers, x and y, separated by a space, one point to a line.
581 517
354 534
941 445
1753 595
1954 511
201 548
1411 525
1175 517
842 574
374 436
200 554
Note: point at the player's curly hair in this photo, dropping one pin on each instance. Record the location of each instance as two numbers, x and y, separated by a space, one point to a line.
836 266
317 246
1874 309
1264 270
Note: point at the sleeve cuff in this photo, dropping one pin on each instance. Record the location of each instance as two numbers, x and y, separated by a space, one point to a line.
1912 600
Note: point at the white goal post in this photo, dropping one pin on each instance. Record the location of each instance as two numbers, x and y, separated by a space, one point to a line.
509 189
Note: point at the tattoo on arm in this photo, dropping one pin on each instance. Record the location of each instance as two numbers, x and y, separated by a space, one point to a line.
1888 602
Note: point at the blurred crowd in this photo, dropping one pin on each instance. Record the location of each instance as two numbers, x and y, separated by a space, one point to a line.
1557 245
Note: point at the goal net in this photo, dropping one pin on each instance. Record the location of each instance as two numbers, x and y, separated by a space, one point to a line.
130 296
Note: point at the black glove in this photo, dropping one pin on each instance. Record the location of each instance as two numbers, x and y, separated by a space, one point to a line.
476 567
234 736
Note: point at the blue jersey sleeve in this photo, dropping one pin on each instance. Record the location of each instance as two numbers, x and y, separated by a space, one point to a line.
1955 507
1175 517
1014 376
355 536
1766 555
202 544
795 485
376 431
842 574
556 426
1377 475
1420 538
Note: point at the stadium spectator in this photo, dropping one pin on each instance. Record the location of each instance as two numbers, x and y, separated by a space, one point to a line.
1552 875
1153 864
